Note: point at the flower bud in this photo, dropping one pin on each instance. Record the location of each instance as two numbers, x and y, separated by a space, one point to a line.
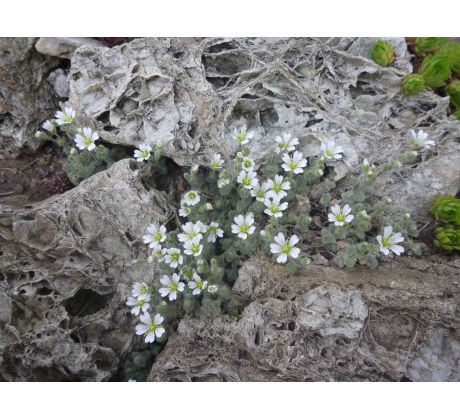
383 53
208 206
413 84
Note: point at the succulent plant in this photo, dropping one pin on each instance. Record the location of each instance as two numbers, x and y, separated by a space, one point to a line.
448 238
413 84
426 45
436 69
453 90
383 53
447 209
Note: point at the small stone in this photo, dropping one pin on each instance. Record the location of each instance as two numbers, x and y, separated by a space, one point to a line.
320 260
64 47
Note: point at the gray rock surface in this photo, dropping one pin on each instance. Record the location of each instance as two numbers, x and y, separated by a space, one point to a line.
26 97
58 79
66 268
396 322
192 97
63 47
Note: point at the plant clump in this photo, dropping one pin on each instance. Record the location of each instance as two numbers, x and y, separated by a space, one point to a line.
439 69
235 208
84 156
383 53
446 209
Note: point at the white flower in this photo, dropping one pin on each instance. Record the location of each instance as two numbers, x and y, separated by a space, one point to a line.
140 290
214 232
294 163
197 285
274 207
247 179
212 288
203 227
143 153
419 140
331 150
139 304
191 198
172 285
278 187
244 225
151 328
340 216
184 211
85 139
192 233
260 191
248 164
285 248
155 235
389 241
222 182
285 142
242 135
217 161
65 117
191 248
49 126
158 254
173 257
209 206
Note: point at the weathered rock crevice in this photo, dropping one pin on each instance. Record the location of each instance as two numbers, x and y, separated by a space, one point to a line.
398 322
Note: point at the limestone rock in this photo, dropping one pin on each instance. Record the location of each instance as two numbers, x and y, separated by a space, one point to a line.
393 323
26 97
58 79
192 97
63 47
67 265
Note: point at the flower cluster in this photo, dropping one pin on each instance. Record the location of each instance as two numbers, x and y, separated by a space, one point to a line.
235 209
140 302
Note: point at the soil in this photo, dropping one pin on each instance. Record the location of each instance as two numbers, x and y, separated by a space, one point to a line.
30 178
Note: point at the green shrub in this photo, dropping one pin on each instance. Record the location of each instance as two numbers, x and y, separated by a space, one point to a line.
453 90
428 45
447 209
413 84
448 238
436 70
383 53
